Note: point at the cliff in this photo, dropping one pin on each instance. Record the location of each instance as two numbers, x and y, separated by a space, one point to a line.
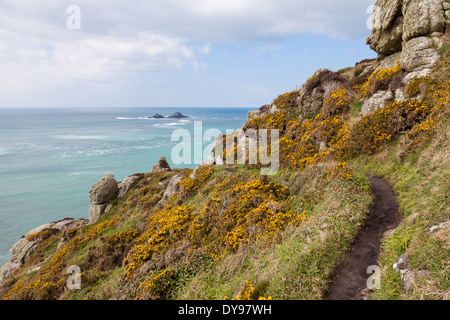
226 231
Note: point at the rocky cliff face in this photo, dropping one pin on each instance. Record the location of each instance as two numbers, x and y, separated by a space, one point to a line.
25 247
409 31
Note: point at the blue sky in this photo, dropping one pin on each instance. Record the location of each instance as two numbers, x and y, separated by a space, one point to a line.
173 53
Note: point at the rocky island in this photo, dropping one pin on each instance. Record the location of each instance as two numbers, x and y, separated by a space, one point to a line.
176 115
156 116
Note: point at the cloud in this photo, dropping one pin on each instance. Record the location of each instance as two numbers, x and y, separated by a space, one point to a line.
250 20
267 48
121 40
206 49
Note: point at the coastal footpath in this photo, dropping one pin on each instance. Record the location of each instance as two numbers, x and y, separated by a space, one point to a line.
224 231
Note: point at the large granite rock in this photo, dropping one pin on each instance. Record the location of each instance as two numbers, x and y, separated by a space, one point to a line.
96 211
127 183
418 57
397 21
377 101
423 17
100 194
410 28
104 190
252 114
387 27
171 189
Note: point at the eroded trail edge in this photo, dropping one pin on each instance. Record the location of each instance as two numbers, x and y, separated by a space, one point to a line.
350 277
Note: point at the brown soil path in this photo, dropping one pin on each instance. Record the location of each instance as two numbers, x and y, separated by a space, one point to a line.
350 278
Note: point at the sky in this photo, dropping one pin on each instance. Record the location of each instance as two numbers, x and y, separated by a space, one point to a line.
172 53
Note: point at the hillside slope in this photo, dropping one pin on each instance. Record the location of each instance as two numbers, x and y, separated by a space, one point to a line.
228 232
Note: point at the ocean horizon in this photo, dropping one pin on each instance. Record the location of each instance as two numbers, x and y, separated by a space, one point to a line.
50 158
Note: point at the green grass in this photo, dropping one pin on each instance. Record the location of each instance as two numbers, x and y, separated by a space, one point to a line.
355 109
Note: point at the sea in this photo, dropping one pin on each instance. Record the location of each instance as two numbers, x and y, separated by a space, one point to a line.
50 158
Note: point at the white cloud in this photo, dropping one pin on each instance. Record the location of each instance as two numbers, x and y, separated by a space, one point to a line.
122 40
206 49
199 66
267 48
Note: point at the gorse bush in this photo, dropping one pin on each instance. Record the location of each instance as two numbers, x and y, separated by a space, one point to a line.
373 131
380 80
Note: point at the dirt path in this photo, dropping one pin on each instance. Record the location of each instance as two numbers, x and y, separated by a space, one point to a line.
350 278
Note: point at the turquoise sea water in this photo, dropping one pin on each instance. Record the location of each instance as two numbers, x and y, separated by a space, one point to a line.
50 158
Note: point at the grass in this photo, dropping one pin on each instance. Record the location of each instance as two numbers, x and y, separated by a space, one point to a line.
355 109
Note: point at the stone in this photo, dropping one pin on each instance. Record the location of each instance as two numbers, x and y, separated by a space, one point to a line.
418 57
96 211
388 41
422 17
67 224
389 61
252 114
127 183
323 146
408 276
162 166
399 95
396 22
7 269
218 149
439 227
387 28
22 249
389 10
104 190
170 190
268 109
377 101
108 208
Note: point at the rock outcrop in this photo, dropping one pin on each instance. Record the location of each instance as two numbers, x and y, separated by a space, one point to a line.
418 57
100 194
23 248
162 165
412 27
377 101
127 183
103 190
171 189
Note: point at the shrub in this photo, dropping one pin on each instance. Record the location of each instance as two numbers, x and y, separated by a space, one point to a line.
420 134
321 78
370 134
380 80
337 103
156 285
287 100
